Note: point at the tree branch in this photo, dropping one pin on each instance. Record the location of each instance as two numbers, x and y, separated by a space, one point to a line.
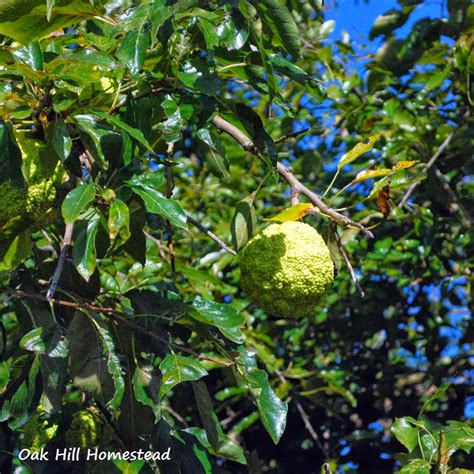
430 163
211 235
65 246
112 314
169 193
289 177
346 259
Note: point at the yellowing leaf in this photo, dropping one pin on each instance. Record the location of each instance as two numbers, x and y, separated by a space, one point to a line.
375 173
293 213
367 174
401 165
357 151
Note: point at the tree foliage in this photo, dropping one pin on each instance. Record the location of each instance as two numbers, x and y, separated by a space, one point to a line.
167 130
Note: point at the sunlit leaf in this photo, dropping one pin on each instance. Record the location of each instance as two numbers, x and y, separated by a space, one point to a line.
293 213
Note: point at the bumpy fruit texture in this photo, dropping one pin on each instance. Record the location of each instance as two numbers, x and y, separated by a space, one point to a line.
84 430
37 433
42 174
287 269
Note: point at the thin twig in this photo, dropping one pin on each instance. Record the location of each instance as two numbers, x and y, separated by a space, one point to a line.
295 197
292 135
430 163
111 313
289 177
65 246
348 262
211 235
69 304
169 193
310 429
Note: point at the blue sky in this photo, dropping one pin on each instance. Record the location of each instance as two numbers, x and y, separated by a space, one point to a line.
356 17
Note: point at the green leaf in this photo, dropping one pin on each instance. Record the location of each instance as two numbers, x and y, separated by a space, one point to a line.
206 413
133 132
60 138
84 251
271 409
389 21
222 316
10 157
283 26
157 204
416 466
21 404
287 68
25 21
440 391
406 433
31 55
33 341
113 366
77 201
119 221
132 50
18 251
244 222
216 159
142 381
176 369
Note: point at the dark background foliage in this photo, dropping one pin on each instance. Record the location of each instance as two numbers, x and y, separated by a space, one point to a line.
149 342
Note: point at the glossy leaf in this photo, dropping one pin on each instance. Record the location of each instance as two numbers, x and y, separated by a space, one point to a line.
84 250
113 365
223 316
132 49
177 369
133 132
25 21
119 221
157 204
77 201
271 409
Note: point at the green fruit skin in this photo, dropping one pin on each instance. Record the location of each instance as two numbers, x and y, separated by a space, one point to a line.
287 269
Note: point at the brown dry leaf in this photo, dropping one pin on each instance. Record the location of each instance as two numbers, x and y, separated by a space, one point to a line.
382 201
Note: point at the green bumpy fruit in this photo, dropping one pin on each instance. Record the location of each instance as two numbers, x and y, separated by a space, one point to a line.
37 432
287 269
84 430
42 175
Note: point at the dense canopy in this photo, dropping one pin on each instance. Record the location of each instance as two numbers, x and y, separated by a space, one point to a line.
143 143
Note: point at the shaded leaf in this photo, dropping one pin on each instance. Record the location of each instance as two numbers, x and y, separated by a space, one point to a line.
244 223
206 413
113 365
133 132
